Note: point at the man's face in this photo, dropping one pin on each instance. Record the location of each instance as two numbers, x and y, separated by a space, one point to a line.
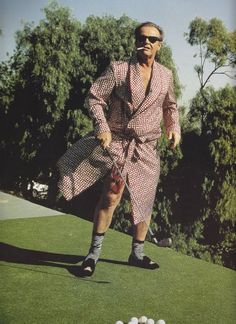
149 40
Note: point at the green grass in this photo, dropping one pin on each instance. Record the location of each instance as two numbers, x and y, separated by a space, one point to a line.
41 288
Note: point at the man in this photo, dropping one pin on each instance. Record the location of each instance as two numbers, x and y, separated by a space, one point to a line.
137 94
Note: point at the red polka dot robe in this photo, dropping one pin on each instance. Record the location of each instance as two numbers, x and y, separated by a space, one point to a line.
117 103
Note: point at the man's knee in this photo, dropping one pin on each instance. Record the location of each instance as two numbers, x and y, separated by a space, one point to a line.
110 200
112 193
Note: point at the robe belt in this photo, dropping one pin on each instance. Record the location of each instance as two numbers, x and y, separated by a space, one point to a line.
130 145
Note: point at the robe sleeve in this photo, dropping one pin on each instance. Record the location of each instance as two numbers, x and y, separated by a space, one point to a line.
170 110
97 100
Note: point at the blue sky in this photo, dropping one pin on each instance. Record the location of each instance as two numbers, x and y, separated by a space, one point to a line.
173 15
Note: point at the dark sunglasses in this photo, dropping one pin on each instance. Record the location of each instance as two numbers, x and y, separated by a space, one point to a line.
152 39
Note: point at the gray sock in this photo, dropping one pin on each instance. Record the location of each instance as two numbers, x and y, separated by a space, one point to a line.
138 249
96 246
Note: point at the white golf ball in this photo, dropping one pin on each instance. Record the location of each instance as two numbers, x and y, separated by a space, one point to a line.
150 321
160 321
134 320
119 322
142 319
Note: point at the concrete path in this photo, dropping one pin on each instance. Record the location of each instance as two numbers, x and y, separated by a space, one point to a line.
13 207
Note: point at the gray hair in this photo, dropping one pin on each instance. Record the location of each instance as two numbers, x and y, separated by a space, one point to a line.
150 24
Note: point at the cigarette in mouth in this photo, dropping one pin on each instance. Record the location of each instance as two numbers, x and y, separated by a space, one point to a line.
139 48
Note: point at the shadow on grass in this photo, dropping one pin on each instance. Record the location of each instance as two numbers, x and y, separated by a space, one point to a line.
14 254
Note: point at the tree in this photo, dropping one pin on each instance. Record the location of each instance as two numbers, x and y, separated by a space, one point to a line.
213 158
215 44
218 185
38 122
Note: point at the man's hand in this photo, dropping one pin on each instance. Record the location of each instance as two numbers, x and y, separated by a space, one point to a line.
105 139
174 137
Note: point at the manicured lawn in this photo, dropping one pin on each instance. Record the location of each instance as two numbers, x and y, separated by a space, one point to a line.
39 257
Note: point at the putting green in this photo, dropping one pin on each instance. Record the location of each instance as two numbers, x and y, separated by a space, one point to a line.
39 257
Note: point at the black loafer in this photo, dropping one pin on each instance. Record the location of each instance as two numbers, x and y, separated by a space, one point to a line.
145 263
88 267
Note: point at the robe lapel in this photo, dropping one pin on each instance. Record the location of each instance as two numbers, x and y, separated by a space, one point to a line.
136 84
155 85
141 102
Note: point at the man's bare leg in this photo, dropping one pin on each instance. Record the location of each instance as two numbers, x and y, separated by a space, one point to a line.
140 230
107 204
